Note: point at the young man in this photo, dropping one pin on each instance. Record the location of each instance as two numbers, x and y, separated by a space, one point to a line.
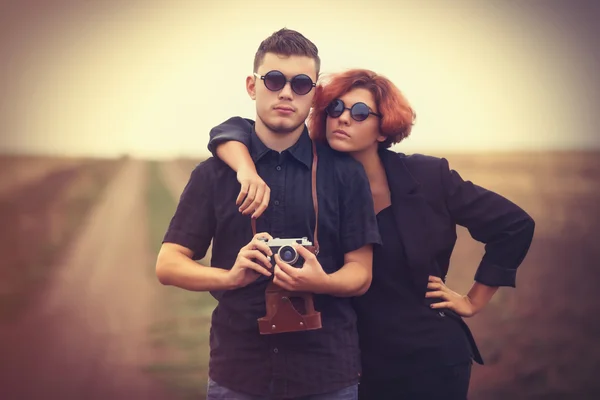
315 364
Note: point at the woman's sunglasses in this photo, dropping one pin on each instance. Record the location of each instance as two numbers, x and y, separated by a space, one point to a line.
359 111
275 81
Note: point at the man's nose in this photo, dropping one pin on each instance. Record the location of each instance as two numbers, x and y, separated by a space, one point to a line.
286 92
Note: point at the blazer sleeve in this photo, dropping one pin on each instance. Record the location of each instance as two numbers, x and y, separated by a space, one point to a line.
505 228
235 128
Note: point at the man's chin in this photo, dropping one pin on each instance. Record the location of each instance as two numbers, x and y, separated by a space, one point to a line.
283 127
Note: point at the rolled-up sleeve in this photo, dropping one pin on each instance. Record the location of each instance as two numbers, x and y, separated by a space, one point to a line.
193 224
235 128
358 221
504 228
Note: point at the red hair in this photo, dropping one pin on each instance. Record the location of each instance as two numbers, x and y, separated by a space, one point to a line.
397 115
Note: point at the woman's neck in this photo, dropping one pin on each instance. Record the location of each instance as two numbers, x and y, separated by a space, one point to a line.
378 182
372 164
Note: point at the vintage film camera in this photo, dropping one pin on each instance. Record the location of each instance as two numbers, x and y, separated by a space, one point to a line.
288 311
285 250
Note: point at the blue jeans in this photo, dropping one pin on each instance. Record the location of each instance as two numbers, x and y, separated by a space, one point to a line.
218 392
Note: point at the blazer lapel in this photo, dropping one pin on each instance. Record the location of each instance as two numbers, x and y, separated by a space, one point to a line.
411 213
413 219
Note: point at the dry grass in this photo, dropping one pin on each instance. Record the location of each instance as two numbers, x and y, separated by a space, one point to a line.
539 341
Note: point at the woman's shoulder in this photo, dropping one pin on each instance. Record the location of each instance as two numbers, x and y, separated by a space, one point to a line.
415 161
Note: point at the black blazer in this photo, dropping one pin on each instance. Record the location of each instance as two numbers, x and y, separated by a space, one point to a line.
429 200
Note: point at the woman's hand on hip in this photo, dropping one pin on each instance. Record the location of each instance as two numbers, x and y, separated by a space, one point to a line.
460 304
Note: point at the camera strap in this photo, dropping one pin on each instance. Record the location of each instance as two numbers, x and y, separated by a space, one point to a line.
315 247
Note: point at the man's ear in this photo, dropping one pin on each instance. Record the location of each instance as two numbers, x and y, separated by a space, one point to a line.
251 86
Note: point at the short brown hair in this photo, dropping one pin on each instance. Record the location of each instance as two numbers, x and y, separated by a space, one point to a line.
287 42
397 115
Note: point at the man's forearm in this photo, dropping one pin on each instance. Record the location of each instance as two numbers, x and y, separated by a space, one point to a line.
236 155
480 295
176 269
353 279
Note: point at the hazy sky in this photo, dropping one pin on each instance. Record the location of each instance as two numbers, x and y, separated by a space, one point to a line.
152 77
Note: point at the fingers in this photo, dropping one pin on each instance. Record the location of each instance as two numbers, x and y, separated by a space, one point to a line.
243 193
262 235
257 256
436 286
435 279
249 198
305 253
264 204
290 271
283 279
439 294
258 198
443 304
258 239
247 264
256 243
283 284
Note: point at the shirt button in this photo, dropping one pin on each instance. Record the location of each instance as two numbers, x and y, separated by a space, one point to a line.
276 202
278 168
275 350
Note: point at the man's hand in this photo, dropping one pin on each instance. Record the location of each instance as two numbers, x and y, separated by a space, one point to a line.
254 194
310 278
247 268
458 303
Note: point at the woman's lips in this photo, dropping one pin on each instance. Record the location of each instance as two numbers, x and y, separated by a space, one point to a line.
341 132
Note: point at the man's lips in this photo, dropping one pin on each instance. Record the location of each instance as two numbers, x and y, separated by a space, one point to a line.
287 109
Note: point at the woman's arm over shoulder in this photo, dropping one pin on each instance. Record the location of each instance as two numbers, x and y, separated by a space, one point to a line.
505 228
236 129
230 142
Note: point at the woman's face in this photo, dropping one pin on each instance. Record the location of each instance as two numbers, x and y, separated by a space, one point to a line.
348 135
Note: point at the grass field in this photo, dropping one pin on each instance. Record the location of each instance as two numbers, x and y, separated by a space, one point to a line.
180 334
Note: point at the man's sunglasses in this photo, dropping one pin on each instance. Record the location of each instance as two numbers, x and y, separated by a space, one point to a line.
275 81
359 111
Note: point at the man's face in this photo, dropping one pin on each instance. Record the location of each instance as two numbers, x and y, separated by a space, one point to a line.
282 111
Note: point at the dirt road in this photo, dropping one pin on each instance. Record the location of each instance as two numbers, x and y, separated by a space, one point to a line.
87 336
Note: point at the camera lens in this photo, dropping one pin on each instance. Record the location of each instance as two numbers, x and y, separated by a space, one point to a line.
288 254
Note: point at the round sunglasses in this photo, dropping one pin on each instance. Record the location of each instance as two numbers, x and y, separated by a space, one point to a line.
359 111
276 80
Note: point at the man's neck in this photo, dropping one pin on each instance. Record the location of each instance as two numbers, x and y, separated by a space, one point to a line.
277 141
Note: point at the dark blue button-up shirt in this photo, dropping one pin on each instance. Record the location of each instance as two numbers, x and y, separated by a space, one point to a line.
287 364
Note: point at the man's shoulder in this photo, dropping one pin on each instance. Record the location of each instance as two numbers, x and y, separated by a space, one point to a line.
209 168
341 162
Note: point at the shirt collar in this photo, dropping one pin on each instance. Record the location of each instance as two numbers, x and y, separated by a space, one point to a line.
301 150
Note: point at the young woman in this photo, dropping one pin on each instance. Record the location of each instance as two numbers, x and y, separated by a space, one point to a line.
414 342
